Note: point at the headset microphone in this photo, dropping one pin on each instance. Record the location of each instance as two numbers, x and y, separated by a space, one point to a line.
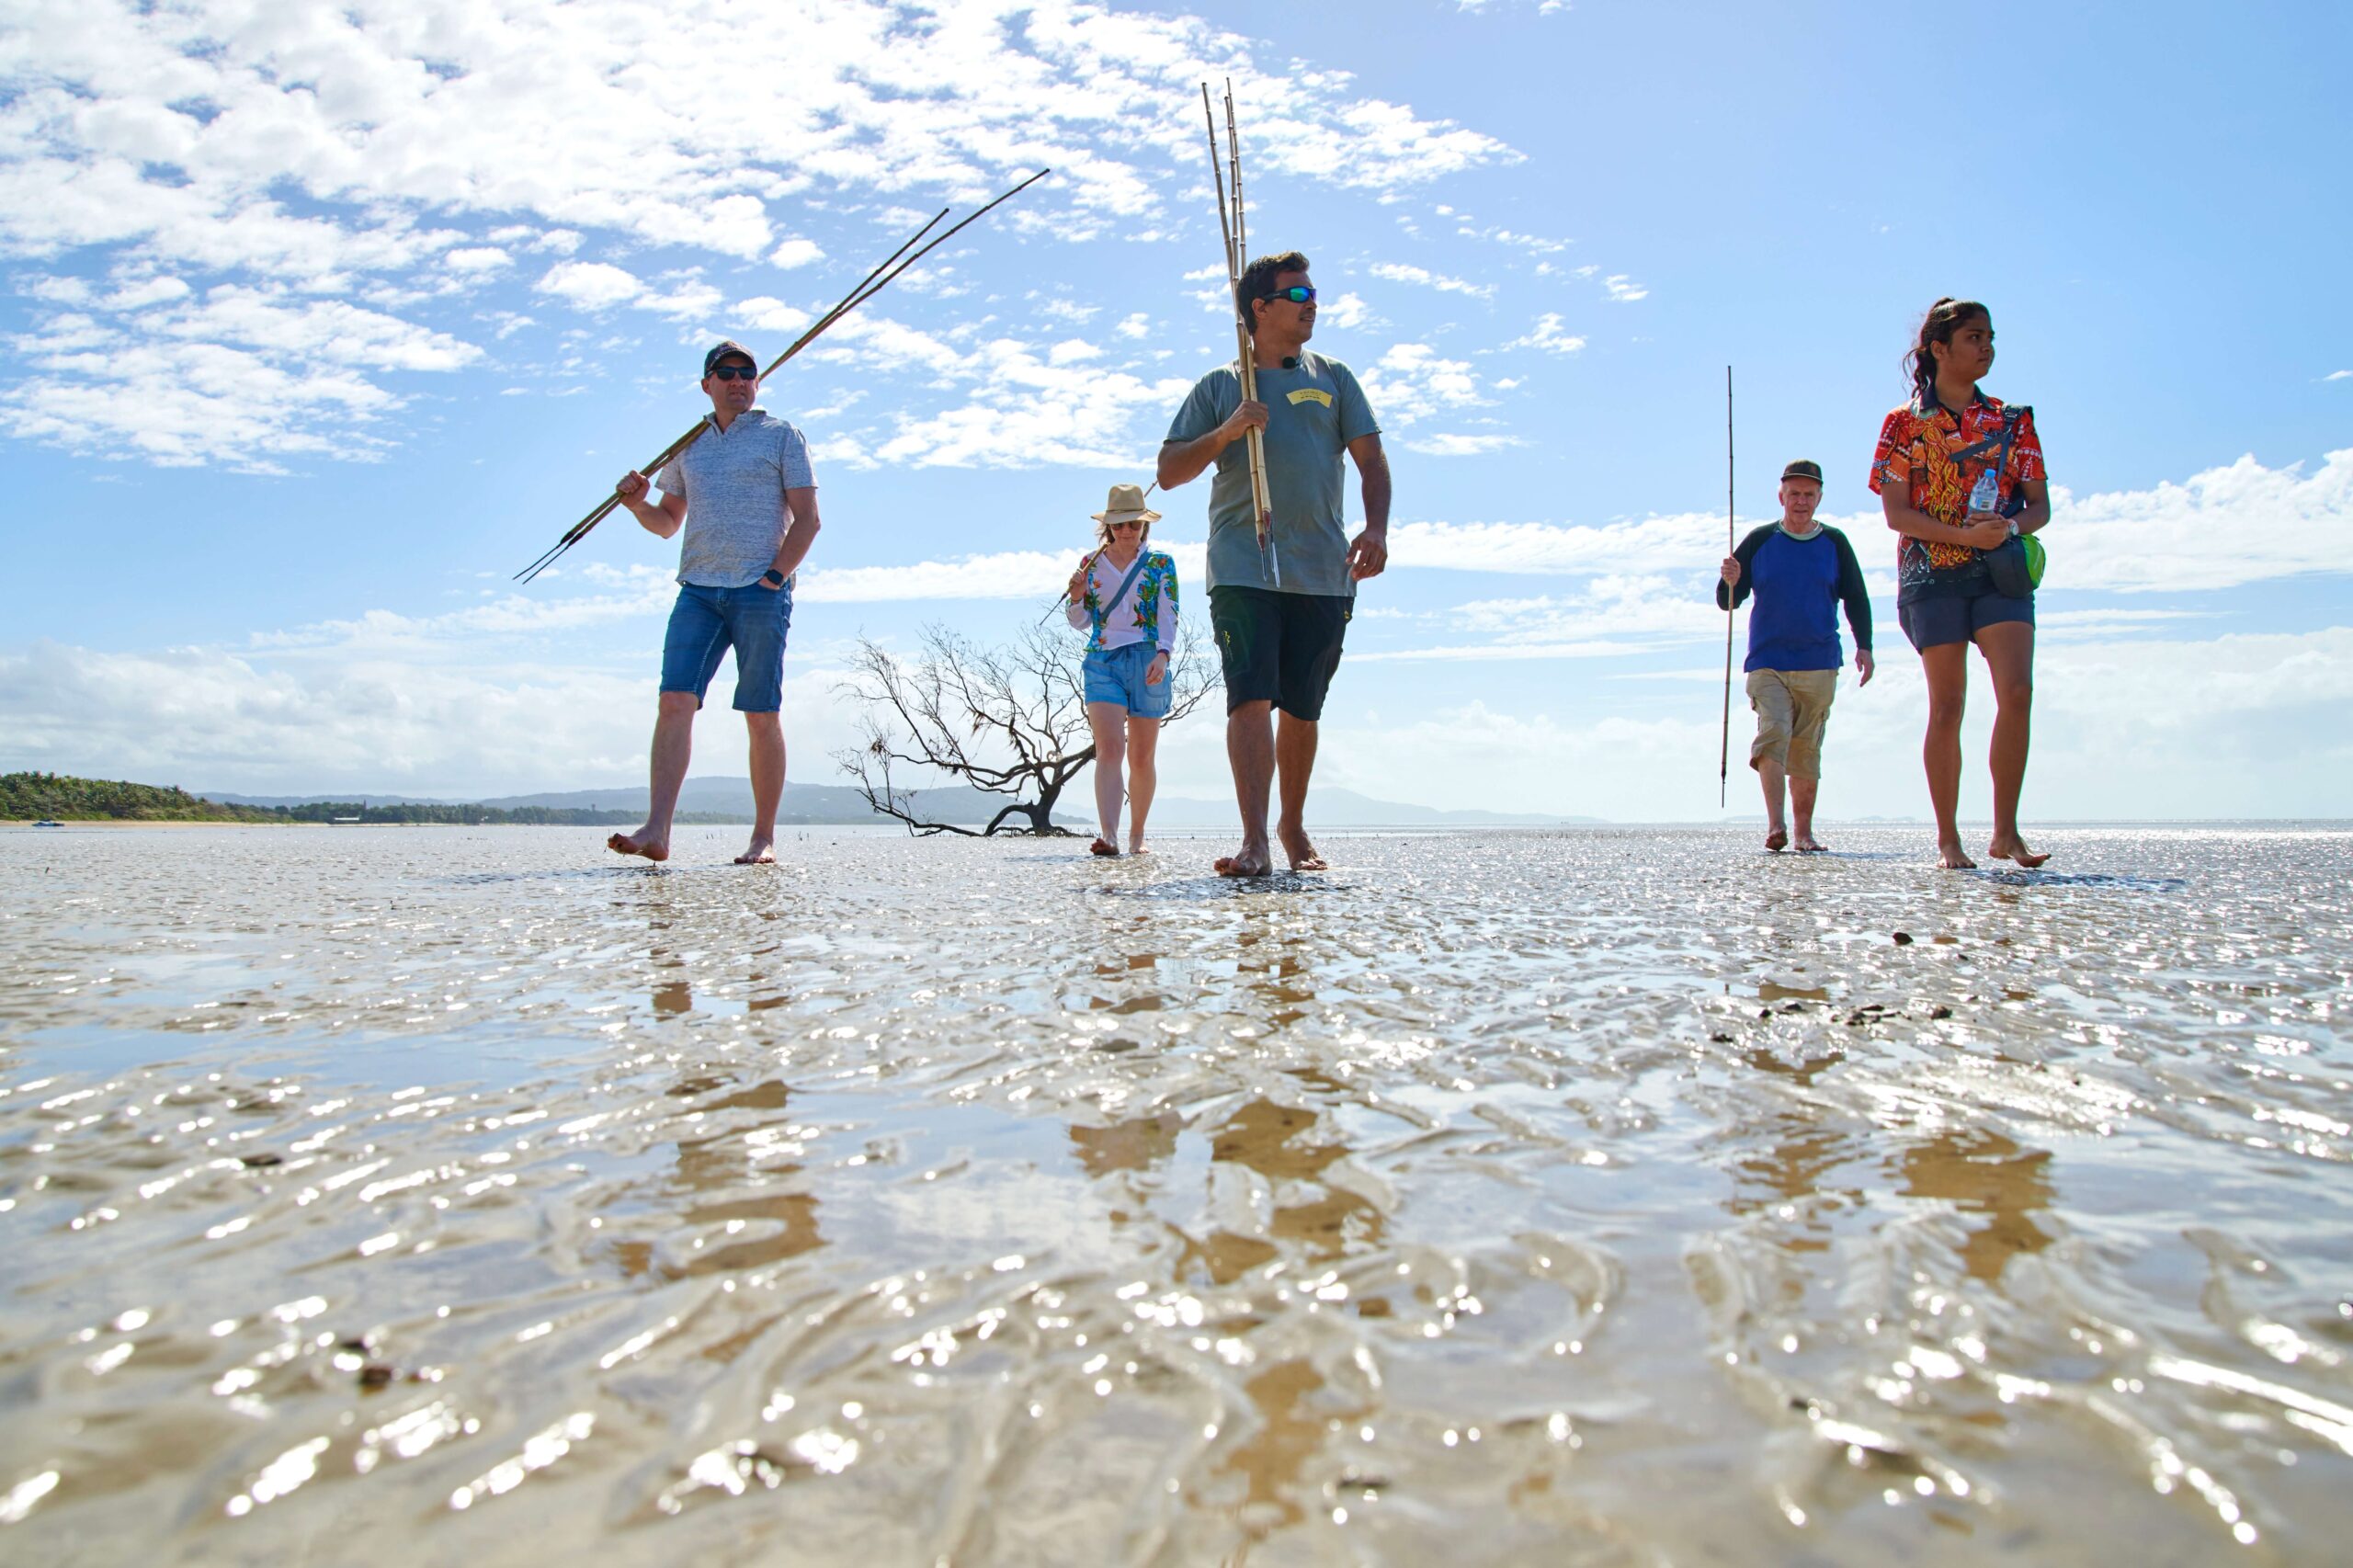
1290 362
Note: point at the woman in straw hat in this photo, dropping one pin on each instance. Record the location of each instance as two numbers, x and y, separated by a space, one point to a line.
1126 595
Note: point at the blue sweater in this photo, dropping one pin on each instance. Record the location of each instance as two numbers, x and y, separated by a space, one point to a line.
1799 585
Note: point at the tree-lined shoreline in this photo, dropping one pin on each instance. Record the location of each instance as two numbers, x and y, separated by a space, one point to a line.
56 797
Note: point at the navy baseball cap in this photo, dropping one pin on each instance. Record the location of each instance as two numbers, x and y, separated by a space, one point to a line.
1803 468
726 347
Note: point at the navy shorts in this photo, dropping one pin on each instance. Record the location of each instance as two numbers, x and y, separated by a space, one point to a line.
1954 618
1279 648
706 622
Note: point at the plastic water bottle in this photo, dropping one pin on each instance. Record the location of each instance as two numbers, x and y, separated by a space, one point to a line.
1986 495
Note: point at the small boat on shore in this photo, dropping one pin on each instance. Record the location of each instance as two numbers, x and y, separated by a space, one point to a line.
45 821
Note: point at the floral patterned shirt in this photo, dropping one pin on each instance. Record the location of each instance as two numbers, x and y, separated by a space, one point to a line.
1148 611
1938 457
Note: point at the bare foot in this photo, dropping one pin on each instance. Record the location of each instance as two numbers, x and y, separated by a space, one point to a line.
1809 845
1103 846
1250 860
2013 847
1953 857
1779 839
1135 846
644 841
761 853
1297 846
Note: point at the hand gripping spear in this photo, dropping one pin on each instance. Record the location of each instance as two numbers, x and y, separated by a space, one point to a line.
1231 222
873 283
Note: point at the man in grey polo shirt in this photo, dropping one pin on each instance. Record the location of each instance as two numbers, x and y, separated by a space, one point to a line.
1280 640
745 496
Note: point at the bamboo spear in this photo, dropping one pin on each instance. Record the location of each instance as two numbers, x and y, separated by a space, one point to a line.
1723 750
1233 226
872 284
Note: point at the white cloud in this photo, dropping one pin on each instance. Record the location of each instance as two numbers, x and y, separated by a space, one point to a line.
397 154
2338 375
1343 311
2226 527
474 260
1412 380
1136 326
1623 290
1399 272
1547 335
1461 446
591 285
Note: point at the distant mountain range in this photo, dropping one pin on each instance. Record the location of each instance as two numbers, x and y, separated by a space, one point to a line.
839 804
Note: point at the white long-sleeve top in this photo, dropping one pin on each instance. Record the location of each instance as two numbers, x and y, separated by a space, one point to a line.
1148 609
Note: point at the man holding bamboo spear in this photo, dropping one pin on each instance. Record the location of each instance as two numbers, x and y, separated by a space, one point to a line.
1279 628
746 497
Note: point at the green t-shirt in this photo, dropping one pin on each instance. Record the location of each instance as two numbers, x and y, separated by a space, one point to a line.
1313 413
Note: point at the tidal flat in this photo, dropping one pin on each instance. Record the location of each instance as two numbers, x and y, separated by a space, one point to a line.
1592 1196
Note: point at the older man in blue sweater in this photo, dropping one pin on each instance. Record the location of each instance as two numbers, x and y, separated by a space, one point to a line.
1800 571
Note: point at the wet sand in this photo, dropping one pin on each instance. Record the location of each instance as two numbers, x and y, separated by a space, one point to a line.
1609 1195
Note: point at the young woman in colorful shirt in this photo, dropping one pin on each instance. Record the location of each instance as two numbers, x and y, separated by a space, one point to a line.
1126 595
1958 473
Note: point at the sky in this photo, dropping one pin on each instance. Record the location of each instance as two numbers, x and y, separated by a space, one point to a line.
321 321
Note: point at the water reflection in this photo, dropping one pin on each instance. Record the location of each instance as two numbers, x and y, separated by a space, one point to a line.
1983 1172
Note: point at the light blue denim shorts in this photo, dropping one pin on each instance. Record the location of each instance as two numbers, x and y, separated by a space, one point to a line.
706 622
1116 674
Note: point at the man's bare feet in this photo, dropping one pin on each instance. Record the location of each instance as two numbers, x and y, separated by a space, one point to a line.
1779 839
1102 846
2012 848
644 841
1297 846
1809 845
761 853
1952 856
1250 860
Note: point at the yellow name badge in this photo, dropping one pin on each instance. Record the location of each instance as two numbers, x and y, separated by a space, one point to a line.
1311 394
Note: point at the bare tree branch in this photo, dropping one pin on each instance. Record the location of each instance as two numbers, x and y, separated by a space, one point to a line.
1009 719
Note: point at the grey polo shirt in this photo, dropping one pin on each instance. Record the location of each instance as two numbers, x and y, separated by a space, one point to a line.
733 481
1313 413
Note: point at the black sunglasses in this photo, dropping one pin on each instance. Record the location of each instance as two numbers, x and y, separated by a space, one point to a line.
1298 294
735 372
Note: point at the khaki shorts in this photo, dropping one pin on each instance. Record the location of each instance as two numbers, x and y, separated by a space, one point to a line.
1792 708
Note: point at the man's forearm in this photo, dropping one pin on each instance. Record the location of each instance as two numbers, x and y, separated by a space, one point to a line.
654 519
794 548
1181 462
1376 496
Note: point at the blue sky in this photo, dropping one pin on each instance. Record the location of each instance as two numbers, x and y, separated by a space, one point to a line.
321 323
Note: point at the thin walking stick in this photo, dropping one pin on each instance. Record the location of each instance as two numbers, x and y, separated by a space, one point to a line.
1232 224
872 284
1723 750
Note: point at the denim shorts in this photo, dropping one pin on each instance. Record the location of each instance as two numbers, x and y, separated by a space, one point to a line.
1934 621
706 622
1116 676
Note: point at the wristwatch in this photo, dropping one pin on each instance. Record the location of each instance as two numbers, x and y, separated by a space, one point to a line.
772 577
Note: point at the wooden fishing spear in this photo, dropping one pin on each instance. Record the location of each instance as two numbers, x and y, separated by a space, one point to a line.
872 284
1233 225
1723 750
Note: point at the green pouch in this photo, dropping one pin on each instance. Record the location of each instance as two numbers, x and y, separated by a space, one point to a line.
2034 558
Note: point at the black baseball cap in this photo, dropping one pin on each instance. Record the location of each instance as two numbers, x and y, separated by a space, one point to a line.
726 347
1804 468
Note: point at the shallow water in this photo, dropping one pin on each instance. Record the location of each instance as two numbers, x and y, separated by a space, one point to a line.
1612 1196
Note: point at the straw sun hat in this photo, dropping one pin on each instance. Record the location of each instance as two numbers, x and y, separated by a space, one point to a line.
1126 504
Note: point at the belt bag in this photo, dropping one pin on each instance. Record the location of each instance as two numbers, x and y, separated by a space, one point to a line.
2015 564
